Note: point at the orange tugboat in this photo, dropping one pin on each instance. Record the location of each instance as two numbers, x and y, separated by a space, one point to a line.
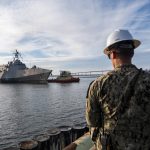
64 77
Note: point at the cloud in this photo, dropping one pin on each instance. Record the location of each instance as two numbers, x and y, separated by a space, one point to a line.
52 31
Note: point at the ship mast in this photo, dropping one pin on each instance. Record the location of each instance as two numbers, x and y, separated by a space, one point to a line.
17 55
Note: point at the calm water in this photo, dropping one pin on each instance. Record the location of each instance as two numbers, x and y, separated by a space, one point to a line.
27 110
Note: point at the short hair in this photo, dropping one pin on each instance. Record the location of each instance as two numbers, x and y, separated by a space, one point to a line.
123 48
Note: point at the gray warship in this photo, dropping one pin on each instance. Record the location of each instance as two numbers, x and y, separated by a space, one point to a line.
16 72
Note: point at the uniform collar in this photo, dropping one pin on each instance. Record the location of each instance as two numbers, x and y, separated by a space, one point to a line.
126 66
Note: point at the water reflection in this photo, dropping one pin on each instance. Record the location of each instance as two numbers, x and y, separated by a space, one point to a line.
27 110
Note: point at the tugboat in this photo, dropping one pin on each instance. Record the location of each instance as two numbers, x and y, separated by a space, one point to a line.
64 77
17 72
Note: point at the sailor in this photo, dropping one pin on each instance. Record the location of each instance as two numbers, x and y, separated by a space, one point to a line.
118 103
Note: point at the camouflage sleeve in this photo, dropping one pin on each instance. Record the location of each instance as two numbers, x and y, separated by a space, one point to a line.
93 111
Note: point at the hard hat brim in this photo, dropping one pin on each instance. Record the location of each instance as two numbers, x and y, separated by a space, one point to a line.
135 42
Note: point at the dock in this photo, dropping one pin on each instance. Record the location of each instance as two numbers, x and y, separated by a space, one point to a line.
64 138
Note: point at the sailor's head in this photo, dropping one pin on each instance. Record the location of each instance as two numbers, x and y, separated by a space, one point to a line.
121 41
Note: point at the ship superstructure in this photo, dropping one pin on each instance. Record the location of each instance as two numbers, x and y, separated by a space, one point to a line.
16 71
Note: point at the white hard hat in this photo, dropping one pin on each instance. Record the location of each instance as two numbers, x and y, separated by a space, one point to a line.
118 36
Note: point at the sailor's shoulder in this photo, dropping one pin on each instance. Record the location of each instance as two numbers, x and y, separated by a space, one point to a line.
101 80
146 75
144 78
108 76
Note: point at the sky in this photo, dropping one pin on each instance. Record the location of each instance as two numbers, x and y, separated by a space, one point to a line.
71 34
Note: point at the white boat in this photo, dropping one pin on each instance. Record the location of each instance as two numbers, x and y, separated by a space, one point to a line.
16 72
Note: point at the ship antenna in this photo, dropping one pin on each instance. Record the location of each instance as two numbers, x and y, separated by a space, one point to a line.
17 55
20 55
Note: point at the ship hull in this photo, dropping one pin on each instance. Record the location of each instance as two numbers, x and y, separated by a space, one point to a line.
64 80
36 78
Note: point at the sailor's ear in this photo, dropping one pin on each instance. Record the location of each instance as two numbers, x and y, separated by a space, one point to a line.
113 55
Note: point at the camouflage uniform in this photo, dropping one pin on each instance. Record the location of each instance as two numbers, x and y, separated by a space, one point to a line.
132 130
